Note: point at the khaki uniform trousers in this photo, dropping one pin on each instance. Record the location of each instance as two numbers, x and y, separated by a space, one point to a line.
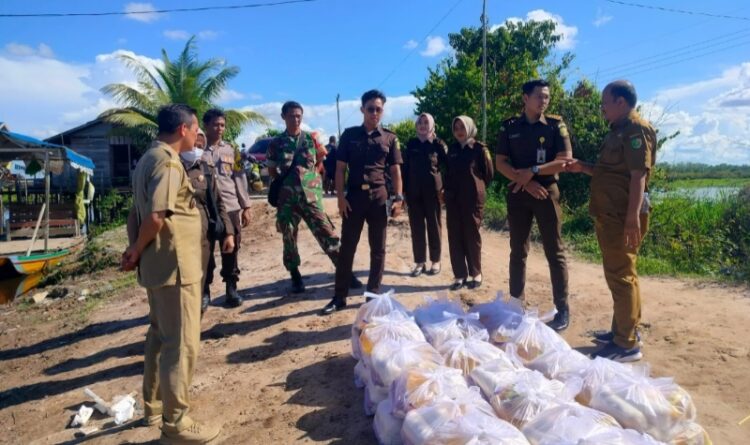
619 263
172 345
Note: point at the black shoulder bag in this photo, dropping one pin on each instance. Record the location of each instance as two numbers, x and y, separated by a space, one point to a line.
216 229
275 187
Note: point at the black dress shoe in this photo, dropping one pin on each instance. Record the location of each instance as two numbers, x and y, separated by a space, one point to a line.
457 285
355 284
233 299
474 284
334 305
561 320
418 270
433 270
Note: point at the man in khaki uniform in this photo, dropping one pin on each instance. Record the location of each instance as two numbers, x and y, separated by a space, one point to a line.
620 207
232 184
164 228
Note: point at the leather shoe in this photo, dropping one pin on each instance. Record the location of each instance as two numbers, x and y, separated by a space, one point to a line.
474 284
561 320
457 285
419 269
233 299
434 270
334 305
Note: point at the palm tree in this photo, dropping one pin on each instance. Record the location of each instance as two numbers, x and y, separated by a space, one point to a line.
183 80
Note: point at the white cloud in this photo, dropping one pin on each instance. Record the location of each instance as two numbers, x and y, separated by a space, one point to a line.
176 34
712 116
411 44
436 45
229 96
322 117
208 35
567 33
143 10
601 18
17 49
67 99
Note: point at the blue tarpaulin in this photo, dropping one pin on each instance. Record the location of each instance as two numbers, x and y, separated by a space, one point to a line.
27 148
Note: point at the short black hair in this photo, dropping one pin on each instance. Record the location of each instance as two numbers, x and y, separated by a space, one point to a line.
212 114
529 86
291 105
171 116
624 89
332 139
372 94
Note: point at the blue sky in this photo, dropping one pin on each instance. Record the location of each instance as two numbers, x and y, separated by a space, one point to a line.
692 72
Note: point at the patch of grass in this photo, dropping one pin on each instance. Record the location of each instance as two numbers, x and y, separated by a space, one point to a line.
707 182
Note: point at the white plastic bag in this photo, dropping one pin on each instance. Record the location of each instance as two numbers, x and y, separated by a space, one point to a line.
490 374
361 374
387 427
599 372
433 310
561 364
374 394
691 434
478 428
418 387
533 337
392 357
526 394
468 353
500 316
567 423
421 424
392 326
381 304
641 404
454 326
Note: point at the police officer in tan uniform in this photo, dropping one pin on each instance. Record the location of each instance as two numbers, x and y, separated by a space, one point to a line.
367 151
164 229
531 150
232 183
619 205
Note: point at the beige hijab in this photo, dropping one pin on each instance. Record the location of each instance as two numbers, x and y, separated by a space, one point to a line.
430 135
471 129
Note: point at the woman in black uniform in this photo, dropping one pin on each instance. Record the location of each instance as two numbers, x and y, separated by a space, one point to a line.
467 177
425 160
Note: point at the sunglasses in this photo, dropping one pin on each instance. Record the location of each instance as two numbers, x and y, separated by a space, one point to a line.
373 110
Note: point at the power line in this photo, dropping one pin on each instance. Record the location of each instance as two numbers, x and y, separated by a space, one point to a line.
679 52
409 54
157 11
678 11
627 72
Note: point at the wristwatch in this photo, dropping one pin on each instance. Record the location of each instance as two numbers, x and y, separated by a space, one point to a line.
535 169
398 198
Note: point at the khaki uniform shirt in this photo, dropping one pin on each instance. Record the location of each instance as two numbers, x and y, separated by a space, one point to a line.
160 184
629 145
229 176
526 144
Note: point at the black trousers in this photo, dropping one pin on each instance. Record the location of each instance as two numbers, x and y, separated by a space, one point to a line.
230 271
367 206
464 240
424 212
522 210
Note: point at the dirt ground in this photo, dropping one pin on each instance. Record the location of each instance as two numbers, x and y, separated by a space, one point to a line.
274 372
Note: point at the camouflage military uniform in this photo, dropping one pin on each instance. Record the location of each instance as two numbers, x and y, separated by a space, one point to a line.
301 195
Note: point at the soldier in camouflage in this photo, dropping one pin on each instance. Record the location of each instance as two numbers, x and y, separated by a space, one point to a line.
295 156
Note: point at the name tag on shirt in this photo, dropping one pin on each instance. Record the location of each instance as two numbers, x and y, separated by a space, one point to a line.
541 155
514 136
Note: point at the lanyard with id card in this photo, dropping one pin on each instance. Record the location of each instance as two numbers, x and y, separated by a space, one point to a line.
541 153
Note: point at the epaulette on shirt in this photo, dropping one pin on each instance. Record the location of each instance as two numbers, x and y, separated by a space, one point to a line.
553 117
388 130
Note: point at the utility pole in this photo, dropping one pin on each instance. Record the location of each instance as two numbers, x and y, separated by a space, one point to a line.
484 71
338 116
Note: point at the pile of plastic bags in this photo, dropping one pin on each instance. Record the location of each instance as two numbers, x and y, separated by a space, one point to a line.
499 375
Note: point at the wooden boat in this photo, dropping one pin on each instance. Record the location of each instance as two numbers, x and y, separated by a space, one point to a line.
15 265
15 287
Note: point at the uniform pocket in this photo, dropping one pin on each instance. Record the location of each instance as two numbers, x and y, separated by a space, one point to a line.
611 155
